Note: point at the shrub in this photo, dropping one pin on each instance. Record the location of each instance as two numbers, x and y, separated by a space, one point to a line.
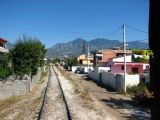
5 72
136 89
141 94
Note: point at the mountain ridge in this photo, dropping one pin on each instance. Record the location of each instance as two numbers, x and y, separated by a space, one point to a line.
77 46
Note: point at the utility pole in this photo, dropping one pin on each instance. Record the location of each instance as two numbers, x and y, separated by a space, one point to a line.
124 52
70 62
88 59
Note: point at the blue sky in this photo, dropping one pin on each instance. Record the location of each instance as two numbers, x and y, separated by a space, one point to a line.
58 21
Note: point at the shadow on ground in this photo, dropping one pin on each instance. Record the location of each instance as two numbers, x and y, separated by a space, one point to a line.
131 108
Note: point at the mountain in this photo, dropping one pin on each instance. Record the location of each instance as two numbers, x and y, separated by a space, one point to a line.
137 45
79 45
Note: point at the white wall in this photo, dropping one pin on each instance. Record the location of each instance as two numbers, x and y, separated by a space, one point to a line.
74 68
108 79
93 75
18 87
103 69
121 59
132 80
111 80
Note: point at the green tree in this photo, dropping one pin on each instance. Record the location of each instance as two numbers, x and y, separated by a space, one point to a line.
5 70
27 56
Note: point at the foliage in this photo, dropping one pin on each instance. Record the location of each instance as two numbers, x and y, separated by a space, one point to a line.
4 61
56 60
138 59
141 93
135 90
27 56
145 53
71 61
5 70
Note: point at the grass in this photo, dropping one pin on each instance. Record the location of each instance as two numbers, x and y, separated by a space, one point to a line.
7 102
43 75
21 107
29 108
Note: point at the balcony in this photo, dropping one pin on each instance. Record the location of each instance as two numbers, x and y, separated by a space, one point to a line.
3 50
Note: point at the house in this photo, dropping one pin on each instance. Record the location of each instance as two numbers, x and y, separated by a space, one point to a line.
117 65
85 60
131 68
101 57
3 49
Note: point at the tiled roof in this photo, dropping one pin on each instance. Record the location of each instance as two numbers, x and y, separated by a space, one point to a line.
3 40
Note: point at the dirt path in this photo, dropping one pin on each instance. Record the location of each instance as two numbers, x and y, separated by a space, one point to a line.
119 106
24 107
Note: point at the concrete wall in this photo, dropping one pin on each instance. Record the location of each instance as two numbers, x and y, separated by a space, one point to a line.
18 87
115 81
132 80
93 75
108 79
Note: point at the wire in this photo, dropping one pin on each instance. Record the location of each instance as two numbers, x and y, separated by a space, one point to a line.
64 32
138 40
112 33
133 28
120 44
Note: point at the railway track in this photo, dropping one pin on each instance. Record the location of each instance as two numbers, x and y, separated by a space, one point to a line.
62 102
54 104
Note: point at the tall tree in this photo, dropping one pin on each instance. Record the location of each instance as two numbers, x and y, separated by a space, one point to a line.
27 56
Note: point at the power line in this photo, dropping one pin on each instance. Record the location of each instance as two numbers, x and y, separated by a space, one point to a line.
138 40
56 31
120 44
133 28
114 32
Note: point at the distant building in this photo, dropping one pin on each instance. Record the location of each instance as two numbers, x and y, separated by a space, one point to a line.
85 60
117 65
131 68
101 57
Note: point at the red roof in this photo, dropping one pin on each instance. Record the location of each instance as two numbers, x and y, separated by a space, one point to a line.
3 40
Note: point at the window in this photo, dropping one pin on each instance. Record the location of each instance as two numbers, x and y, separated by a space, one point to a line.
99 58
122 67
135 70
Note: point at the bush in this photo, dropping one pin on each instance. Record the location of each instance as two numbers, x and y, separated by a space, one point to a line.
141 94
5 72
135 90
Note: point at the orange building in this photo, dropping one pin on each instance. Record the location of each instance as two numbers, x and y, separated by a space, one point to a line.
85 60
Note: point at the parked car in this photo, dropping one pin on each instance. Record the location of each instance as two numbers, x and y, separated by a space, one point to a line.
79 70
65 66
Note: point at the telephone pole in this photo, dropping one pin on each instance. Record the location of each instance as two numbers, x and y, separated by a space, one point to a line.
124 52
88 59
